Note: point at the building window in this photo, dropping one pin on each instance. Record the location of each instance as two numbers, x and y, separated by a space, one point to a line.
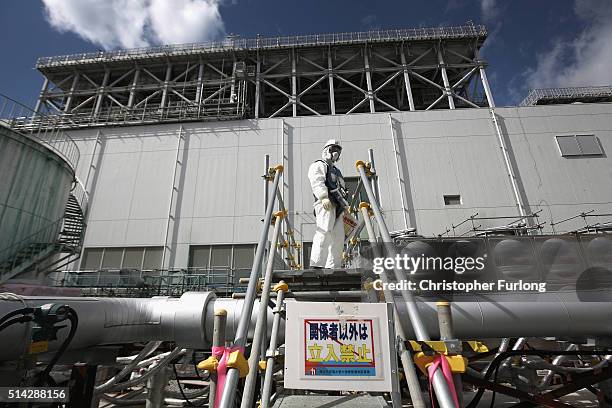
139 258
453 199
579 145
222 256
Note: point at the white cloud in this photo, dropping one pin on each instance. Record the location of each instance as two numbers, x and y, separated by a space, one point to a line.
581 61
137 23
489 9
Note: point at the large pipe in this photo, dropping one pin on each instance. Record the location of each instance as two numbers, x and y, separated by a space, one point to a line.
188 319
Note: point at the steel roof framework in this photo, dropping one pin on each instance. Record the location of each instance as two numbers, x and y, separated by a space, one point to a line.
393 70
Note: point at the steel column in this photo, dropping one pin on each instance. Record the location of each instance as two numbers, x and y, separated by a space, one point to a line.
75 81
330 75
42 96
257 87
167 80
483 78
407 80
447 88
293 83
133 87
368 73
101 92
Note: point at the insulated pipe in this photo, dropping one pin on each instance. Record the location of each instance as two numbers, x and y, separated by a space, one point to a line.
187 321
227 399
123 321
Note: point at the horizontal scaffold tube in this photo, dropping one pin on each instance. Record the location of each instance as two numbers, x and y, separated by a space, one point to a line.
187 320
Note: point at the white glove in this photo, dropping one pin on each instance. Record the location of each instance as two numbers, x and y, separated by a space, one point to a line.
326 203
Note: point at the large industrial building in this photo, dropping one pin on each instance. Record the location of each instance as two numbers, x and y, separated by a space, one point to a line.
170 147
173 141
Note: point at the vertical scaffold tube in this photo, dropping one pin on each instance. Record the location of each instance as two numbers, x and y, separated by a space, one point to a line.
280 290
259 335
443 393
231 381
218 340
412 379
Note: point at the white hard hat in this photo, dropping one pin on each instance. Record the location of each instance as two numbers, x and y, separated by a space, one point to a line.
332 142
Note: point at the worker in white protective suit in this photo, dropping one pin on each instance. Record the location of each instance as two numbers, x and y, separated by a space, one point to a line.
329 192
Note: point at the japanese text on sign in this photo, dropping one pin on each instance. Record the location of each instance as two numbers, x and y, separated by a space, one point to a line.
339 348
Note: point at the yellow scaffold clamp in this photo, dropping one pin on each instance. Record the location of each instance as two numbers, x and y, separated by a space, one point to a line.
210 364
283 244
263 364
281 286
458 363
366 167
367 206
237 360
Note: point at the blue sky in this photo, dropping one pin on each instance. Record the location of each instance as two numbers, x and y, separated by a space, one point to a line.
531 43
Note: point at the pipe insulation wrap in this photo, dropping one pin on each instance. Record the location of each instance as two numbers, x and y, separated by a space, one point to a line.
188 320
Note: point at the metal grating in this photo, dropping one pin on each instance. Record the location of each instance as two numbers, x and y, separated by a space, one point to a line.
568 95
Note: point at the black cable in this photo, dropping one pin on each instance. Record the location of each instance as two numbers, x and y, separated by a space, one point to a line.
24 311
501 357
180 387
21 319
74 323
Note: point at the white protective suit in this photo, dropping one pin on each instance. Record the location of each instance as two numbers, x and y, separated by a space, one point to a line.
328 240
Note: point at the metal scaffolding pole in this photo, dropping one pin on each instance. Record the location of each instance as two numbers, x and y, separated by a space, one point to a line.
412 380
407 80
280 289
41 98
231 381
259 335
447 87
444 396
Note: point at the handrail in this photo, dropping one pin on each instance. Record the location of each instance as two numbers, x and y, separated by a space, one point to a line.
46 235
234 43
42 128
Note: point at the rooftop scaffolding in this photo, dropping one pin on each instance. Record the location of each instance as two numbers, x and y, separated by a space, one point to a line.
551 96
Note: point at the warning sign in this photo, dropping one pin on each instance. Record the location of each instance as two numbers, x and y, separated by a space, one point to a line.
339 348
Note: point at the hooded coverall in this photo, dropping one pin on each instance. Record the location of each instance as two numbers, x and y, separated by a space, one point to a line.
328 240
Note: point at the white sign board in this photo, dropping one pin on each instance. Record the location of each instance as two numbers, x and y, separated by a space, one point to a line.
339 346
